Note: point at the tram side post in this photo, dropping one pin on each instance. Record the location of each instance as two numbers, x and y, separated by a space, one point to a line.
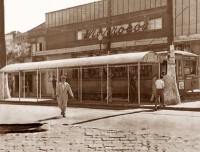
3 85
101 83
81 84
19 85
139 83
37 84
128 83
107 83
40 85
24 85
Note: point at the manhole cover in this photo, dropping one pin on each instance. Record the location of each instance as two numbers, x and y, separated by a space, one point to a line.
22 128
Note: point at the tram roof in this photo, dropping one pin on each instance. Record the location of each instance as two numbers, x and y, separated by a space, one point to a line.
184 53
116 59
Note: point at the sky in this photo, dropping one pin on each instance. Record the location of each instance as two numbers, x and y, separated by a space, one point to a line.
23 15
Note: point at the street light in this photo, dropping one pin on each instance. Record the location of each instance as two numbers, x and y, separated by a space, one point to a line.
100 38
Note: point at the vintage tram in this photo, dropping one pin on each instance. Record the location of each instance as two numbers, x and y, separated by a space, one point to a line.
88 75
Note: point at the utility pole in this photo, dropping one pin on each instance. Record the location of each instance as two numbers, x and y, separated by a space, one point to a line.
109 26
171 91
170 38
2 36
4 93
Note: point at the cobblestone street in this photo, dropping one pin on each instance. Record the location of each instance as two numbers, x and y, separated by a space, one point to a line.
69 138
85 130
100 76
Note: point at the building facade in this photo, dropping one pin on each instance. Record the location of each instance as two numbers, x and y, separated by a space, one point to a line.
115 26
134 26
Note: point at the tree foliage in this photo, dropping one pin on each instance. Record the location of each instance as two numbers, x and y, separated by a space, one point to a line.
18 52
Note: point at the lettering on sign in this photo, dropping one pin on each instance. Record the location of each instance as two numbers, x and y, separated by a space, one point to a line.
116 30
151 57
122 29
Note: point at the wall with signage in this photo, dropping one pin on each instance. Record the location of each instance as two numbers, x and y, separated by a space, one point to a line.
97 10
129 23
139 26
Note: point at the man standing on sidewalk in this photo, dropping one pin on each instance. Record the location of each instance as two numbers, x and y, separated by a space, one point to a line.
159 91
153 89
54 87
63 90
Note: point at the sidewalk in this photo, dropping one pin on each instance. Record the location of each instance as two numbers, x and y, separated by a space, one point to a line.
184 106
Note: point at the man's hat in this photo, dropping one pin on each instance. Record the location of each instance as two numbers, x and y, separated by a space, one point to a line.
63 77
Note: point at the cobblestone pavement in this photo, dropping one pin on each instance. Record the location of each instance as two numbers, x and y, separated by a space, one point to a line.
76 138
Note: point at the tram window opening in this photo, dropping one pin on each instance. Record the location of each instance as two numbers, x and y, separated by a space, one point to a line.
163 67
74 73
87 73
178 67
190 67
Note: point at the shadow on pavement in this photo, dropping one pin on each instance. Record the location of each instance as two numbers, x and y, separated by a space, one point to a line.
176 115
22 128
52 118
111 116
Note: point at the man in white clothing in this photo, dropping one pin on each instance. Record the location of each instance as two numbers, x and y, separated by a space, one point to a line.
63 89
159 91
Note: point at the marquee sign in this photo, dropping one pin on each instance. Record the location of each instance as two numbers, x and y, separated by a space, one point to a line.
122 29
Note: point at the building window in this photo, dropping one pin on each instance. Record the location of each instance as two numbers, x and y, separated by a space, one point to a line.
40 47
33 47
183 47
155 24
37 47
80 35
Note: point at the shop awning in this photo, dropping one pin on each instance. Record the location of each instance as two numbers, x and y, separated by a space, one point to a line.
128 58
